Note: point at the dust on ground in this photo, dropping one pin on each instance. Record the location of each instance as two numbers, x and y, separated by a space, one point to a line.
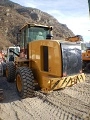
72 103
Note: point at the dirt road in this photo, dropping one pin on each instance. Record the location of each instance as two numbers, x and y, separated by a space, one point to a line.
69 104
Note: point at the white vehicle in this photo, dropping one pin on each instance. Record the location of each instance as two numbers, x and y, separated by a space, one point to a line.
12 52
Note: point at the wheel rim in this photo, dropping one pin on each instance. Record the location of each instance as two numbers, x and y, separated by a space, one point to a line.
19 82
7 72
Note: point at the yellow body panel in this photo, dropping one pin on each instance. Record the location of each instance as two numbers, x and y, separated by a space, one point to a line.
54 59
36 58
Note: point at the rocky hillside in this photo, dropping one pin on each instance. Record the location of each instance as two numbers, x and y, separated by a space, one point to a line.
13 16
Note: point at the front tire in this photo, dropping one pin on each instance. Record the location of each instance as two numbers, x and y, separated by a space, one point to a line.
25 82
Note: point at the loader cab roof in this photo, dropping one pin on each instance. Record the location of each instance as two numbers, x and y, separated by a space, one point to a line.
34 25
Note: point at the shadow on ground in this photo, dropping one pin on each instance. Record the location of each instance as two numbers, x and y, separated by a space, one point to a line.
9 91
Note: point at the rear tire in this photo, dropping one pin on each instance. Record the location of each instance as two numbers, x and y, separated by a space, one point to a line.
25 82
10 71
4 69
1 70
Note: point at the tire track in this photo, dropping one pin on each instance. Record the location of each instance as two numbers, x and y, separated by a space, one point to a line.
72 103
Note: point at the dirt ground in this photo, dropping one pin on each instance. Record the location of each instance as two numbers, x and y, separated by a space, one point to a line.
72 103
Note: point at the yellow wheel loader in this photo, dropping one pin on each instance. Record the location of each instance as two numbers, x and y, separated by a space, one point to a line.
43 63
86 57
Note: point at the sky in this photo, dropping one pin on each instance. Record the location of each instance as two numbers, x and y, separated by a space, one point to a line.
73 13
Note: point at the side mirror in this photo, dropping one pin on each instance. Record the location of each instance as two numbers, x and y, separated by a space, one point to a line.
49 36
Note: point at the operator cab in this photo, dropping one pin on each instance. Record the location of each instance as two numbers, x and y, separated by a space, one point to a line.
33 32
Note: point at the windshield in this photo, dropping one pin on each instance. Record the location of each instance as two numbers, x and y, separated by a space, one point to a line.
83 46
37 33
17 50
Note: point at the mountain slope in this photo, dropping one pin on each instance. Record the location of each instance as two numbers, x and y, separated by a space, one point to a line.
13 16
